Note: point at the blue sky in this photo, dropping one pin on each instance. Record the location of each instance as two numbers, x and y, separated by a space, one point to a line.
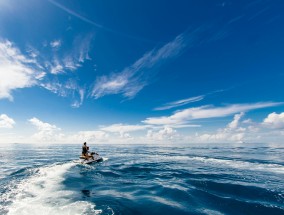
141 71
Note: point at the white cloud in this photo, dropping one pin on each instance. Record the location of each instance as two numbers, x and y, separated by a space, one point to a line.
55 44
231 133
269 130
167 133
46 131
124 130
274 120
222 137
235 123
180 102
248 121
90 136
135 77
184 116
6 122
16 70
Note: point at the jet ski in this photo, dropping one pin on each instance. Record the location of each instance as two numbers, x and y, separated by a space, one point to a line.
97 158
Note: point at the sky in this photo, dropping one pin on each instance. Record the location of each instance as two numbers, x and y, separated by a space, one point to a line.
185 71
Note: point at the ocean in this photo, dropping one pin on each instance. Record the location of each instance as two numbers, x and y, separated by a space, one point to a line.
142 179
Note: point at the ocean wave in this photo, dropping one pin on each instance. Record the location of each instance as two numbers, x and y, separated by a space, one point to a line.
276 168
236 164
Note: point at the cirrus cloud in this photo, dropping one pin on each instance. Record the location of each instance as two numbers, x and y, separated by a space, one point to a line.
135 77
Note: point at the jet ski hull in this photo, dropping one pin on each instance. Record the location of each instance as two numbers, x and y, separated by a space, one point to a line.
90 160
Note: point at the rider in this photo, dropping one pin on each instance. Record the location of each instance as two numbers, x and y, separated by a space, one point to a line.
85 150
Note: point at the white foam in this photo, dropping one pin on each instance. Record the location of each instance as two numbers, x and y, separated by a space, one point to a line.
44 194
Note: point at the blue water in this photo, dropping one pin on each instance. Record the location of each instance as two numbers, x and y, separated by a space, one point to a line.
143 179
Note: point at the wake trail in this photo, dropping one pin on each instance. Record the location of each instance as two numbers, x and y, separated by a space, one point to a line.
45 193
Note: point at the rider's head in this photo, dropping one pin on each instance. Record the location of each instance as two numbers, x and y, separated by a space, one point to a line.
85 143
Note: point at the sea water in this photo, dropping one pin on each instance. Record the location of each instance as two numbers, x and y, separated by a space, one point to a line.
142 179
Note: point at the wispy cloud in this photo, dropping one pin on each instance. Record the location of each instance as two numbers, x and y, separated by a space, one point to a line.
135 77
56 67
71 59
16 70
6 121
55 44
32 68
132 79
180 102
186 115
69 88
186 101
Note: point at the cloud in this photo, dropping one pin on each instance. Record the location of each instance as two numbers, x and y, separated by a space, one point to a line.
222 136
82 47
184 116
6 122
124 129
71 59
16 70
231 133
46 131
55 44
69 88
186 101
77 103
134 78
274 120
67 85
35 69
167 133
180 102
235 123
238 130
90 136
33 53
56 67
